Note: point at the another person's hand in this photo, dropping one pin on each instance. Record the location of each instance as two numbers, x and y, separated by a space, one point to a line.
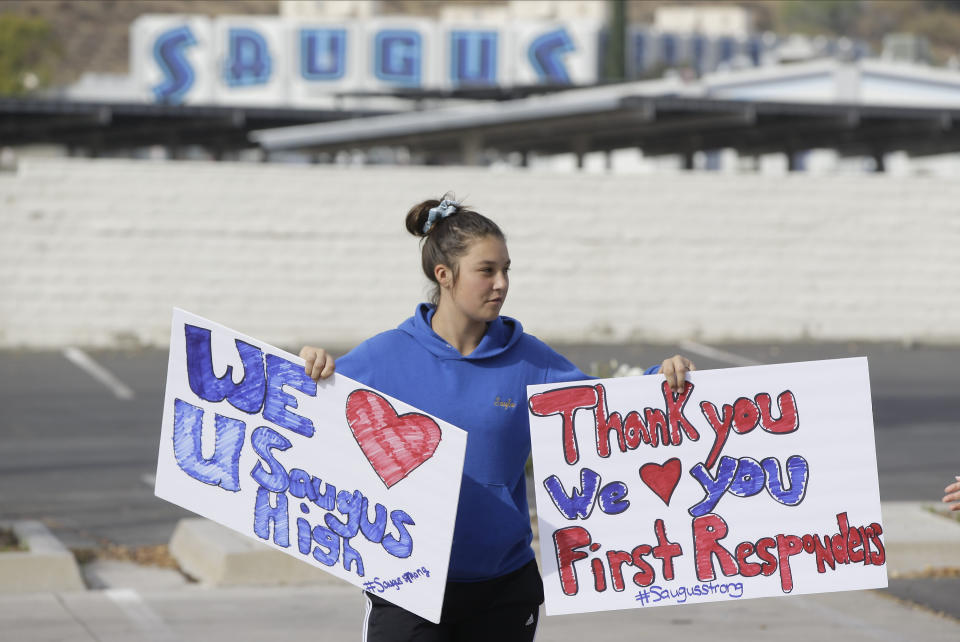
675 369
319 364
953 494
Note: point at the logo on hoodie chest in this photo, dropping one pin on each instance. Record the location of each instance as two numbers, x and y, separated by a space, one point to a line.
506 405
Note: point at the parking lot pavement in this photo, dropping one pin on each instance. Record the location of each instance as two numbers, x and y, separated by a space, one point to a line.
335 612
80 457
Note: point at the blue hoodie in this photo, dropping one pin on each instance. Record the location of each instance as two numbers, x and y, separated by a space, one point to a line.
485 394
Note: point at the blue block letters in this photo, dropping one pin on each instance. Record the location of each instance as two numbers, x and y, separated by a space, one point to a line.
223 468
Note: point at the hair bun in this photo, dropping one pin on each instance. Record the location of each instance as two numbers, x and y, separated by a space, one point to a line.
418 215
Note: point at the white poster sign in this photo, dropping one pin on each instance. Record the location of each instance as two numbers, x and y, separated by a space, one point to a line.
340 476
752 482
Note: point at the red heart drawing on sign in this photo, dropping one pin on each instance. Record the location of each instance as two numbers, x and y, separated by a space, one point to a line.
393 444
663 479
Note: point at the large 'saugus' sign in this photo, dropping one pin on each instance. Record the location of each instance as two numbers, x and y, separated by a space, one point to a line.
250 60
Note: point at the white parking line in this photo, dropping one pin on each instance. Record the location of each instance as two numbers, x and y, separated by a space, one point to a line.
83 361
141 615
719 355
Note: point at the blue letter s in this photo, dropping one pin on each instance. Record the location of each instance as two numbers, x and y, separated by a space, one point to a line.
546 53
169 53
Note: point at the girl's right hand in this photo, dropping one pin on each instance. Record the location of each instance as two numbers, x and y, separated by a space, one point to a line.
319 364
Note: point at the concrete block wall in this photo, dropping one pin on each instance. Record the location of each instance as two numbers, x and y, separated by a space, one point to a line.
97 252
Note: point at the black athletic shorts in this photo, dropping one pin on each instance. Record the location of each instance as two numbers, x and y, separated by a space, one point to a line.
504 609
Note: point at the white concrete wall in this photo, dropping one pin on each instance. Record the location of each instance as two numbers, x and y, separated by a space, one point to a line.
96 253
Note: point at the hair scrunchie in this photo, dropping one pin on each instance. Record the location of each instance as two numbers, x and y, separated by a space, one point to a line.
441 211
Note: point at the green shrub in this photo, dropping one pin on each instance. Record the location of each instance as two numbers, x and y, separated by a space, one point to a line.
29 53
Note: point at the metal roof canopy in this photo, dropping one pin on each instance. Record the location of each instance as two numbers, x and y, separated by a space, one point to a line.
658 125
112 126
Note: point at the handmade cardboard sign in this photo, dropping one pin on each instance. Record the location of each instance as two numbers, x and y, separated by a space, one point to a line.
333 473
752 482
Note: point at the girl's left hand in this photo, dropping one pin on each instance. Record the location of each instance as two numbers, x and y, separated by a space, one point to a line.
953 494
675 369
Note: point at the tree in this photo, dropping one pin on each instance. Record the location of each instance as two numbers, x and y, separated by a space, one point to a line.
614 66
29 53
839 17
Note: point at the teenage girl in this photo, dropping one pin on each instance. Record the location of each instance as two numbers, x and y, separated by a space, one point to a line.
458 359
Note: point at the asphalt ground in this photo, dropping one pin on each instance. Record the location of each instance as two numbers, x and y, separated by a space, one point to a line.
81 458
331 613
80 455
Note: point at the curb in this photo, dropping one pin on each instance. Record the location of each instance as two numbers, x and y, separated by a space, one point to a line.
218 556
46 565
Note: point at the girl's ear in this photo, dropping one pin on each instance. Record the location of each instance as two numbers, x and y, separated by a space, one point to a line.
443 274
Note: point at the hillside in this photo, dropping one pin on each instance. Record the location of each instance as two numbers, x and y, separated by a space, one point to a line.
93 35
